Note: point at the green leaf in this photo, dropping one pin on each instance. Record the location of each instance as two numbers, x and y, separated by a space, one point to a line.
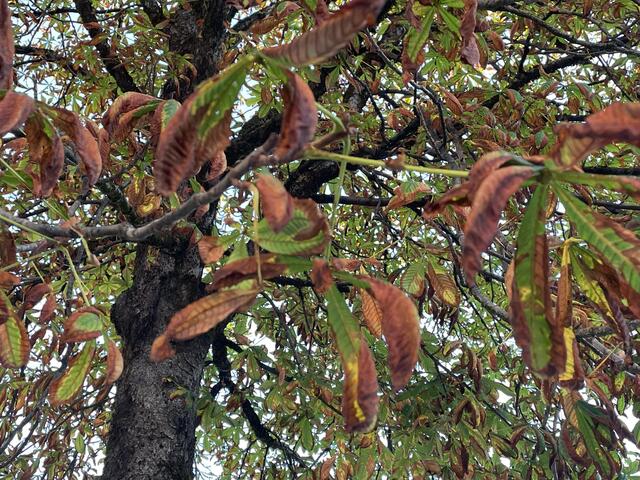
169 109
620 183
65 388
412 280
344 326
416 39
618 245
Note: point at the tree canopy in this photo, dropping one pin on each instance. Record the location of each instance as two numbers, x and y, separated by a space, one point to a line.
319 239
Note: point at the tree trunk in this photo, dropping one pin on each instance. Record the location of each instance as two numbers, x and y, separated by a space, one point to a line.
152 435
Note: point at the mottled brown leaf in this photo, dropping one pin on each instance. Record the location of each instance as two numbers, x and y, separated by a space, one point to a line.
300 119
360 399
400 327
277 203
488 202
7 50
14 110
330 36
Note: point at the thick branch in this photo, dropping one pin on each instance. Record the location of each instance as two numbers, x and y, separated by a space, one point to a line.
111 62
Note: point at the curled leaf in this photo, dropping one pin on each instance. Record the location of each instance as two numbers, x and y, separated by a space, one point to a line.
400 327
469 52
46 150
199 317
321 276
114 362
277 203
300 119
14 110
125 103
210 249
65 388
488 202
14 341
330 36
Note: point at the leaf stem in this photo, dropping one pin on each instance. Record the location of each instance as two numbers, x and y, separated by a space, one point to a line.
315 154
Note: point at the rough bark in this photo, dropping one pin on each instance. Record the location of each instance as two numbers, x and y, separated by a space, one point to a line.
152 435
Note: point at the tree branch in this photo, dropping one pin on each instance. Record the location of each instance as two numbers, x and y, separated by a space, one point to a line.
111 62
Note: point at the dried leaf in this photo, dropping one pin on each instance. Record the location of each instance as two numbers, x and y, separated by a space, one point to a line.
488 202
400 327
330 36
85 143
46 150
84 324
237 271
14 341
444 286
125 103
7 49
321 276
619 122
469 52
210 249
277 203
371 312
115 363
406 194
360 398
14 109
8 280
201 316
65 388
299 121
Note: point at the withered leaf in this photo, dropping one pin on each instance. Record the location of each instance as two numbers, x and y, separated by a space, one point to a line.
125 103
277 203
400 327
199 317
300 119
45 151
115 363
321 276
360 398
488 202
330 36
237 271
210 249
8 280
619 122
371 312
469 52
14 110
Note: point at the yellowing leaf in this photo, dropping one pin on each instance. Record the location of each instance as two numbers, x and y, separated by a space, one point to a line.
65 388
84 324
572 376
14 341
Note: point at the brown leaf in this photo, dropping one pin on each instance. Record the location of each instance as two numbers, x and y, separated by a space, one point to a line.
330 36
246 268
14 109
7 248
401 198
86 144
33 295
115 363
619 122
46 152
102 137
360 399
217 166
8 280
127 102
299 121
277 203
371 312
7 49
199 317
400 327
488 202
469 52
321 276
210 249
